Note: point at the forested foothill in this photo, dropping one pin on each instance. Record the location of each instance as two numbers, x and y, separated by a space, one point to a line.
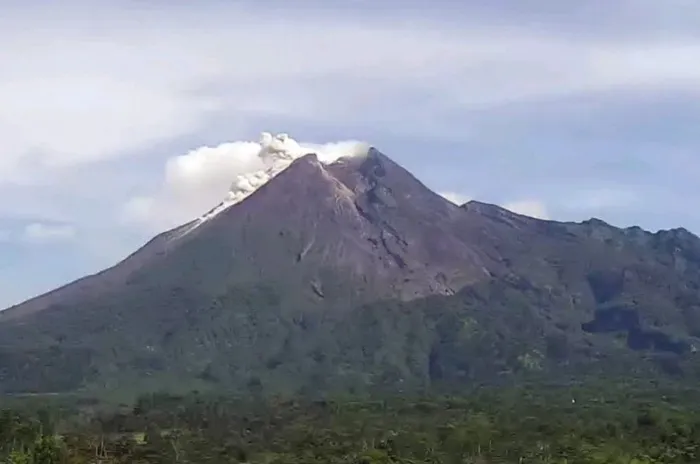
592 423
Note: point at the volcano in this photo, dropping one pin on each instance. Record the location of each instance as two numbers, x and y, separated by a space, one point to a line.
350 274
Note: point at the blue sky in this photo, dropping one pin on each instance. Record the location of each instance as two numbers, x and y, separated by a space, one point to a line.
565 110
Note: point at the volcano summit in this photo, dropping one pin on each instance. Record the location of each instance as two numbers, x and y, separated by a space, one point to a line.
275 155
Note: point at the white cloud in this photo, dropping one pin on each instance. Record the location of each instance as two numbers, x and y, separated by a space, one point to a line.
196 182
38 232
76 90
591 200
456 198
532 208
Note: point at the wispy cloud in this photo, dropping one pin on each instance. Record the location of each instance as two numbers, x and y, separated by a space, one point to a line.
45 233
597 199
82 91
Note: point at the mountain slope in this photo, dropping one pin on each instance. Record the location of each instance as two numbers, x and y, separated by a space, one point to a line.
353 275
350 217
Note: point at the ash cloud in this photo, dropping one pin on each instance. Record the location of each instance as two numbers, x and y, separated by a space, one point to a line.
277 152
225 175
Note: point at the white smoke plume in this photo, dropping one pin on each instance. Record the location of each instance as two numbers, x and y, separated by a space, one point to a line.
278 152
457 198
531 208
230 171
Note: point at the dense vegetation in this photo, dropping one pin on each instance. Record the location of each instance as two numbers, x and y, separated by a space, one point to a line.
593 424
251 340
269 338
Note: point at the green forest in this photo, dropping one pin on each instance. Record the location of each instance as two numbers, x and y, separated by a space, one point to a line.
572 424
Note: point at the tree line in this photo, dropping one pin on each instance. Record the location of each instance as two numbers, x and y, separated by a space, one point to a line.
563 425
